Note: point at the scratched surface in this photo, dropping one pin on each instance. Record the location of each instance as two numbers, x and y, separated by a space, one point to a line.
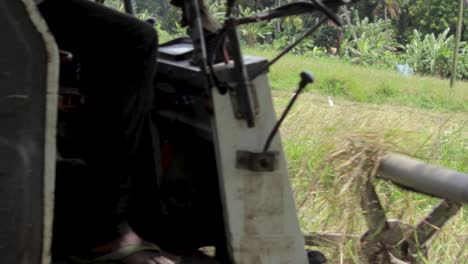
262 222
23 68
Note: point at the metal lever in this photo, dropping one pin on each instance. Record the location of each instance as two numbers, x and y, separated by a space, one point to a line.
265 160
306 78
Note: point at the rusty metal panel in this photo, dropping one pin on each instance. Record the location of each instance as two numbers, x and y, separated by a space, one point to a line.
24 78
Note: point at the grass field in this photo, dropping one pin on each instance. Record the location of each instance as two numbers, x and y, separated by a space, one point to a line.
423 117
364 84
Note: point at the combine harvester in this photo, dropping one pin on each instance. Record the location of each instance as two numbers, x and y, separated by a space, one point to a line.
234 141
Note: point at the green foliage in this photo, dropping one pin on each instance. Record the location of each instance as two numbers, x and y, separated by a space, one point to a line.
328 36
387 8
312 129
115 4
341 87
365 42
366 84
278 34
434 16
216 9
365 8
374 44
167 16
291 29
292 26
433 55
253 32
306 47
163 35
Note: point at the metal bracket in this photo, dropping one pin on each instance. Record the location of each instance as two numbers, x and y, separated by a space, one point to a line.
264 161
243 91
236 104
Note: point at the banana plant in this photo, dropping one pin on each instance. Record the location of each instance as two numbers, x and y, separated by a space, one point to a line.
433 54
253 32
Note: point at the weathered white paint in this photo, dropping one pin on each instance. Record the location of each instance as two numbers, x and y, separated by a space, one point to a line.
259 210
50 125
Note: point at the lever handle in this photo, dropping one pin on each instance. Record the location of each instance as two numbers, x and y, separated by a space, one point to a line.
306 78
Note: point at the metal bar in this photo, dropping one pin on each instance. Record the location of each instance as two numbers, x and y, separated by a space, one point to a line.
425 178
433 222
287 49
373 211
230 5
193 9
453 76
243 84
129 6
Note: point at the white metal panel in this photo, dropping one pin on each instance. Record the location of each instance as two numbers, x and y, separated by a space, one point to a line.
260 213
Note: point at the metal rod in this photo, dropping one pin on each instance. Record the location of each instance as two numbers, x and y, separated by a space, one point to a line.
229 6
425 178
306 78
287 49
129 6
242 90
197 32
434 222
192 8
373 211
457 43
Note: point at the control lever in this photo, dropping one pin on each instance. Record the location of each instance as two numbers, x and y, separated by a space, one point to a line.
265 160
306 78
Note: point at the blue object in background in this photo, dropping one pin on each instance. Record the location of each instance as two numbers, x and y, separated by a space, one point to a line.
404 69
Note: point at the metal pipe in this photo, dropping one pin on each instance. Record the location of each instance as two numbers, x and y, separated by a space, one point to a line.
425 178
129 6
288 48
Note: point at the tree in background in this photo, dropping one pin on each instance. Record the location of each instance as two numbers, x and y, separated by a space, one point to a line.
432 16
387 7
380 33
365 9
167 16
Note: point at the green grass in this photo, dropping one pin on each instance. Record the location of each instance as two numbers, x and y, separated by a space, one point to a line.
311 130
427 117
366 84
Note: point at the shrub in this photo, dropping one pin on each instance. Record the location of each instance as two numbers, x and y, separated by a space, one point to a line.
373 45
433 55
